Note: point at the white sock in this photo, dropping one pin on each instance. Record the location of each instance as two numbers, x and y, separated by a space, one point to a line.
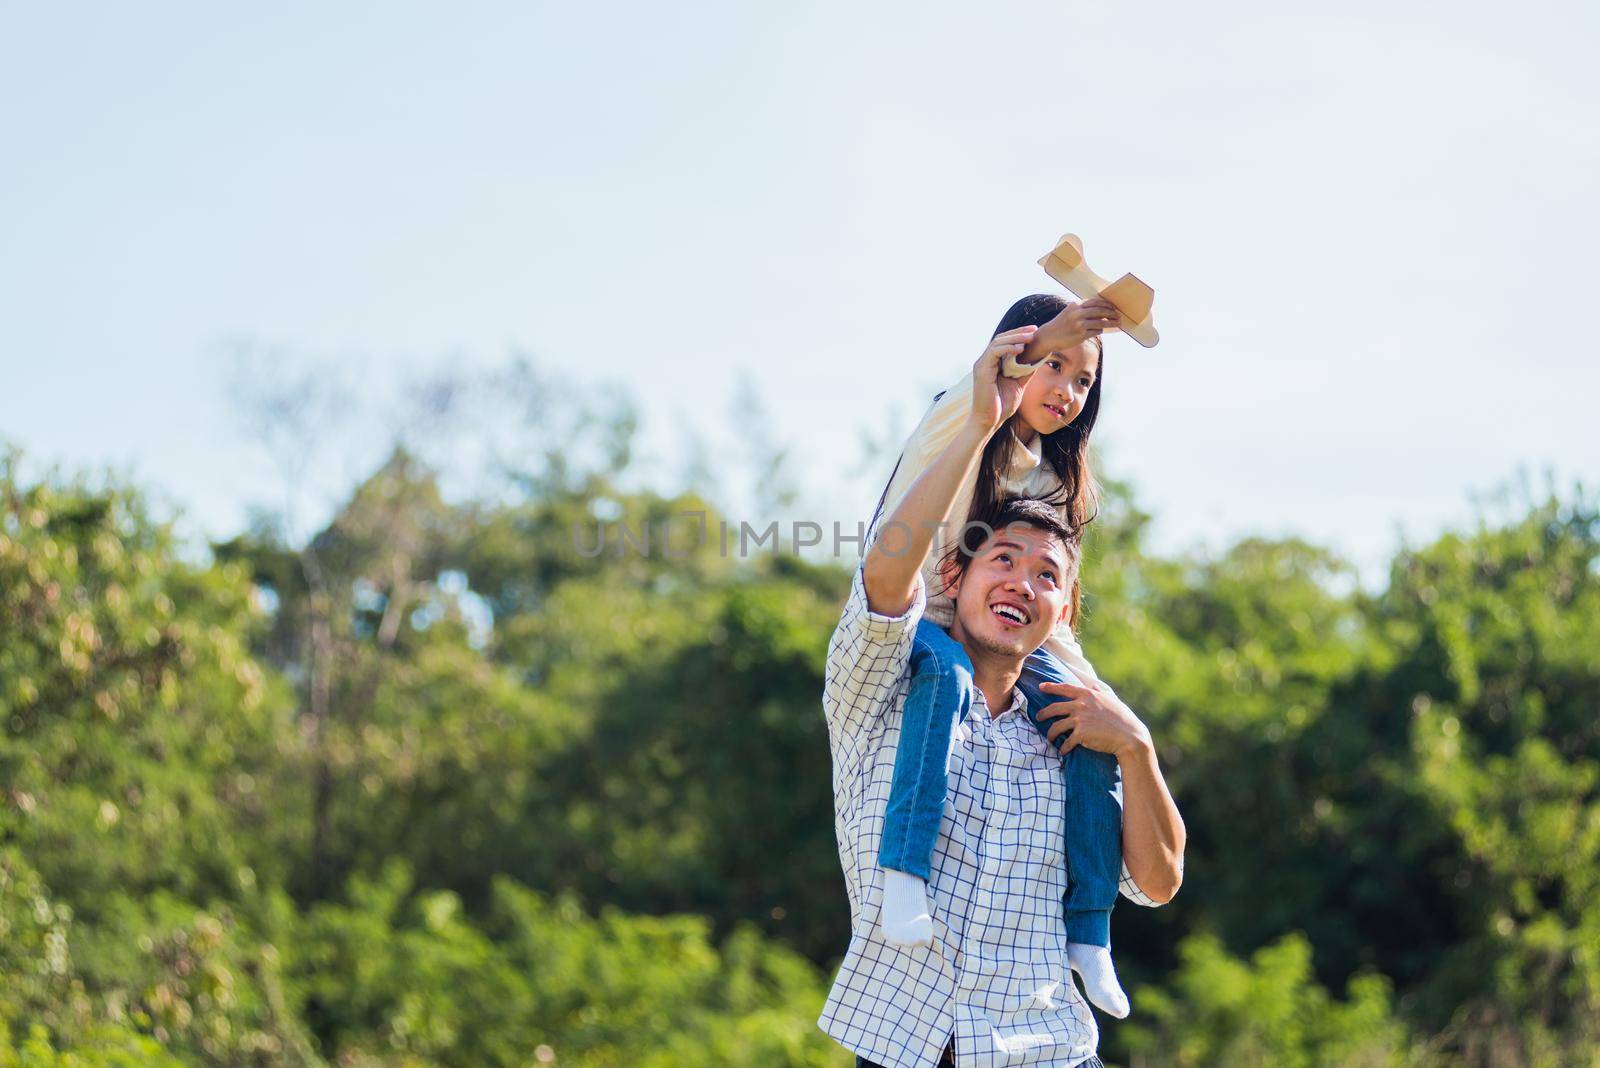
907 920
1100 986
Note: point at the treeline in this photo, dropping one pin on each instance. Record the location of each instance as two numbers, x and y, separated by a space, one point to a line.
436 786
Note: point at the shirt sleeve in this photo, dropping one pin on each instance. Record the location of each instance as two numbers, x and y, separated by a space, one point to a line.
939 426
1064 645
1131 891
867 655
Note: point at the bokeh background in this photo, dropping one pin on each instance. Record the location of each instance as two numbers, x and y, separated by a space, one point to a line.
325 741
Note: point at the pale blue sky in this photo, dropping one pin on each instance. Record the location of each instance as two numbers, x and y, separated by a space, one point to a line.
1368 226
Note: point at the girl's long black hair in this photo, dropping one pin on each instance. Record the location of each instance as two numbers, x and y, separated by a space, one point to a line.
1066 450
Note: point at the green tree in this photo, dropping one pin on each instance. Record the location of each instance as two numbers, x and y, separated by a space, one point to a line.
1267 1011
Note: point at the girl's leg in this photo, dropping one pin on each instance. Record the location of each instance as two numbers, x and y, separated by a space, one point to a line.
1094 815
941 690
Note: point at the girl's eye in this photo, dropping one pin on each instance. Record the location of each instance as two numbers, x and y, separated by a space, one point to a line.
1051 575
1004 557
1087 382
1054 365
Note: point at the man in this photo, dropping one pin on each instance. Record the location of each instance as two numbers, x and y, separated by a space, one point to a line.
994 988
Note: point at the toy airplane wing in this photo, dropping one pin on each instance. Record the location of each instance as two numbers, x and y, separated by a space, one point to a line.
1132 297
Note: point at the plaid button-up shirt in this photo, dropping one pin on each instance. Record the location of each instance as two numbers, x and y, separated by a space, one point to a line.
996 977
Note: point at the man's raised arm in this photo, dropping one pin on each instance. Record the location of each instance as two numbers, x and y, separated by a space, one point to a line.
890 571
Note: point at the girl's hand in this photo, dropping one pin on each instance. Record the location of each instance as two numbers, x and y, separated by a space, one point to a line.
1075 324
995 398
1095 717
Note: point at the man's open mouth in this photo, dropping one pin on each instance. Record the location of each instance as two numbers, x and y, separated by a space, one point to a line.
1009 614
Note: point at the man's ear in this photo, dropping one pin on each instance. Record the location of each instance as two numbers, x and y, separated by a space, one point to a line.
950 576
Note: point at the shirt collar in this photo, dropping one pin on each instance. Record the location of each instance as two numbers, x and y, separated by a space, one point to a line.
1025 457
1019 703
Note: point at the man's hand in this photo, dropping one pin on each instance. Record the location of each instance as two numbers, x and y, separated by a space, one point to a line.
1093 716
996 397
1153 835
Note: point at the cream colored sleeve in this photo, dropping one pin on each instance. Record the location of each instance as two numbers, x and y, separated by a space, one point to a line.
939 426
1064 646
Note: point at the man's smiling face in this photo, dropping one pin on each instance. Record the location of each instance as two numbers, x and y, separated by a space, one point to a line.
1014 593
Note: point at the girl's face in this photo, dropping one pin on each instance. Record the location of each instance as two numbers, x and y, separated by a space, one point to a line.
1058 390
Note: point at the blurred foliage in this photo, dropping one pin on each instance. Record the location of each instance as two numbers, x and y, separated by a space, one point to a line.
484 783
1216 1009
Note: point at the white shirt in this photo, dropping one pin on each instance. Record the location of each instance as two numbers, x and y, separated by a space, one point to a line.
997 975
1026 475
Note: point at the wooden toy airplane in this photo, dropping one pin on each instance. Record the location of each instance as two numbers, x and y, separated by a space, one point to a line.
1132 297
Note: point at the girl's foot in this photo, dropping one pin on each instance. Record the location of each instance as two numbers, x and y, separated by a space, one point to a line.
1100 986
907 920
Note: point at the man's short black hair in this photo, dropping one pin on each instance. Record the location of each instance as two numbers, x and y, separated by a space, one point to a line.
1035 512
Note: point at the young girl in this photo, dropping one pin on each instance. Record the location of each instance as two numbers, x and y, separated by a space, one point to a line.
1042 451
